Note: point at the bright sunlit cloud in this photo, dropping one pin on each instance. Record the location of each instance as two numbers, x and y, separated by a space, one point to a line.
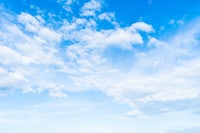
69 66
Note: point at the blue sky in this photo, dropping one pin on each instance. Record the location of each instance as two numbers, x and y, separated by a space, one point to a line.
101 66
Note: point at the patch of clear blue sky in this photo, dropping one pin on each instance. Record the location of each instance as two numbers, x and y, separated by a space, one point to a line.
156 12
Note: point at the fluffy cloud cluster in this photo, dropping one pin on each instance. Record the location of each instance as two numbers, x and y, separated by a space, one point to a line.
36 57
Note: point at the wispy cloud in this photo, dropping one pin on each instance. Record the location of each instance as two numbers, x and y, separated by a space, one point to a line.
71 58
90 8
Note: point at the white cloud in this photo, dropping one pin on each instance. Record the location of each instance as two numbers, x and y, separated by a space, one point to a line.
177 22
58 94
36 57
153 42
121 37
11 80
165 74
11 57
35 25
107 16
49 35
30 22
141 26
66 4
171 21
90 8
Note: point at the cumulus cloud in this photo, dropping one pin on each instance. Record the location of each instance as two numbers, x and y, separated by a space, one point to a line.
107 16
34 25
66 5
141 26
90 8
36 57
165 74
11 57
123 37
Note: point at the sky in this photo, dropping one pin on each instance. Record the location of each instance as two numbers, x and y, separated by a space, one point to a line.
103 66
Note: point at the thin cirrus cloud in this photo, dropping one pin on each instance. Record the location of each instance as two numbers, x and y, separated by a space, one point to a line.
71 58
